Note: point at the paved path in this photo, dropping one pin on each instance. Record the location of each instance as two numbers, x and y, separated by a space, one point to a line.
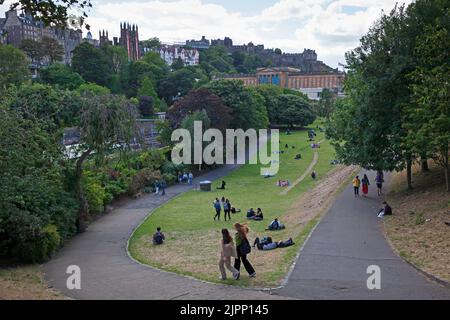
334 261
108 273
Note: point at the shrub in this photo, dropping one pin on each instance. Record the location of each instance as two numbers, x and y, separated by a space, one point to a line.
169 178
95 196
144 178
153 159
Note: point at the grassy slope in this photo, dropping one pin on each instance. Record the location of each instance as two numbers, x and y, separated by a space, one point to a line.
191 215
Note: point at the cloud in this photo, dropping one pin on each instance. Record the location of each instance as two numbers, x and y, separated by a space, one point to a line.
329 27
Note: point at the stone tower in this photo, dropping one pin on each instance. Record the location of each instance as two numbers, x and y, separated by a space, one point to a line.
129 39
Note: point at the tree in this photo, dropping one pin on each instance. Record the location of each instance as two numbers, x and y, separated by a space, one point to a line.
116 56
107 122
91 64
177 84
32 49
54 12
428 119
152 43
13 67
199 100
51 49
247 105
178 64
62 76
147 89
93 88
295 111
146 104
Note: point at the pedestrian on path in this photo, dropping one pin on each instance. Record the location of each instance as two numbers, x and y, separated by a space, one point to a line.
379 179
227 251
356 184
190 178
157 185
243 248
163 187
218 208
365 185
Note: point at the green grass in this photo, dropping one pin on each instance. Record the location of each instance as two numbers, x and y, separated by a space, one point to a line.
191 214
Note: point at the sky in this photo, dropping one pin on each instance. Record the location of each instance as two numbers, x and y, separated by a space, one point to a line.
331 27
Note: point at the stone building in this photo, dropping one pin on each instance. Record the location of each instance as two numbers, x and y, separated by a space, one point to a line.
129 39
18 27
310 84
170 53
203 43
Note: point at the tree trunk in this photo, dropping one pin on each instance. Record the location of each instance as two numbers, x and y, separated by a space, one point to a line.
82 218
424 163
409 171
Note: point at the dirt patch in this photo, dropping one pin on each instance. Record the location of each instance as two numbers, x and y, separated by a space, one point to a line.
417 230
25 283
198 254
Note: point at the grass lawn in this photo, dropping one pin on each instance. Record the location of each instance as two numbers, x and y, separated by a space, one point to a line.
192 237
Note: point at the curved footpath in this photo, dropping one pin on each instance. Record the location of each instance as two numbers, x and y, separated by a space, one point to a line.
349 239
107 272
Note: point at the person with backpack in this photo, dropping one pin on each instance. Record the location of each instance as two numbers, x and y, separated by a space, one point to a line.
243 248
158 237
379 179
218 208
227 209
227 251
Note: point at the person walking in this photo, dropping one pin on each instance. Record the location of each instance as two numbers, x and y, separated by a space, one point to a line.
227 209
379 179
218 208
365 185
157 185
227 251
356 184
190 178
243 248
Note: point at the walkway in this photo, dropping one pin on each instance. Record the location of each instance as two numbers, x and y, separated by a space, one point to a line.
334 261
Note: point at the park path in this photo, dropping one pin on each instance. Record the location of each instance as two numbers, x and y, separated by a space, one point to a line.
306 173
334 261
107 272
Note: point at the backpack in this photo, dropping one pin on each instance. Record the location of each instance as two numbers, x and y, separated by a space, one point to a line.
244 247
157 238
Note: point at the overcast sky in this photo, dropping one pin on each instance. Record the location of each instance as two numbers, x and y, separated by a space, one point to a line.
331 27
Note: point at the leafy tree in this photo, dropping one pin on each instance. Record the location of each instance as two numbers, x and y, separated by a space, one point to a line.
295 111
62 76
116 56
245 103
178 64
152 43
93 88
199 100
106 122
148 90
91 64
51 49
54 12
177 84
32 49
13 67
326 103
146 104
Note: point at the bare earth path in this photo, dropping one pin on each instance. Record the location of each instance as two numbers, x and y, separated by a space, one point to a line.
108 273
333 263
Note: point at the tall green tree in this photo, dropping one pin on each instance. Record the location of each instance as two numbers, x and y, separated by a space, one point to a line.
51 49
147 89
62 76
91 63
13 67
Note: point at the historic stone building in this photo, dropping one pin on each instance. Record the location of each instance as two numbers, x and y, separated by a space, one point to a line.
203 43
129 39
310 84
17 27
170 53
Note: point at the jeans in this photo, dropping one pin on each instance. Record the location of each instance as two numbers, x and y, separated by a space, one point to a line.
356 191
247 265
217 214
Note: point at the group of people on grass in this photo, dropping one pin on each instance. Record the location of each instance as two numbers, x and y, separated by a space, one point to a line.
252 215
185 177
225 205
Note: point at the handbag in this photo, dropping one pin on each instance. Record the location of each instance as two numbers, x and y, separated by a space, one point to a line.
245 247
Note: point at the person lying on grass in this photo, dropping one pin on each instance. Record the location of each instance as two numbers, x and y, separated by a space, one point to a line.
275 225
158 237
266 243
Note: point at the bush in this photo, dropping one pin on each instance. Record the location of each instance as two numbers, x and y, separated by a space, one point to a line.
153 159
173 169
144 178
170 178
95 196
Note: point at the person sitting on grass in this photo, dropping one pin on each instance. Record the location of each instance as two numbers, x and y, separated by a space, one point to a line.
275 225
235 210
313 175
259 215
222 186
158 237
251 213
385 211
298 157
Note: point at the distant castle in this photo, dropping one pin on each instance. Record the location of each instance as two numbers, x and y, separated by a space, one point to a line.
305 61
